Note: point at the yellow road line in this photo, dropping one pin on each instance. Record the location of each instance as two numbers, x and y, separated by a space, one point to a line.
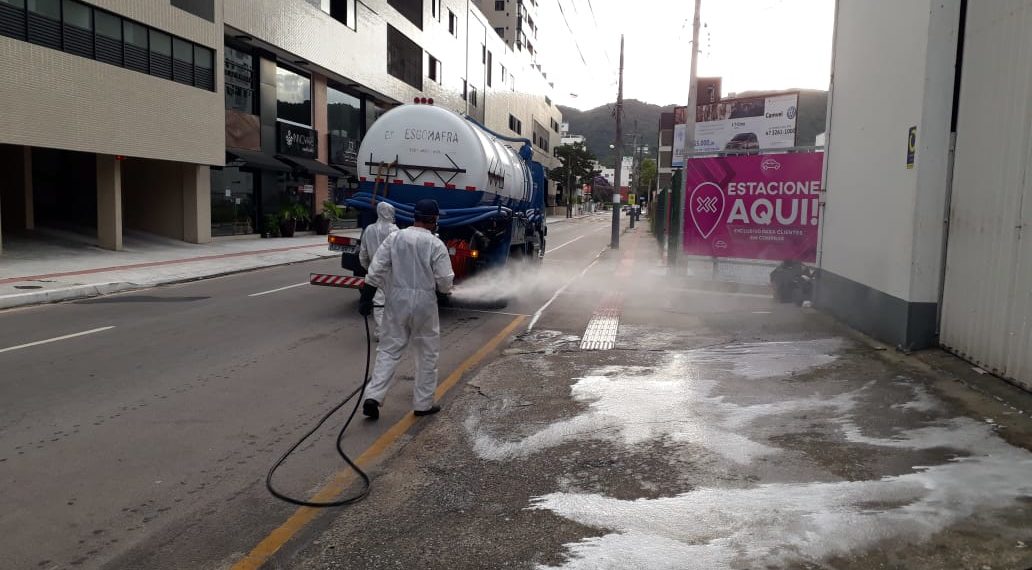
303 515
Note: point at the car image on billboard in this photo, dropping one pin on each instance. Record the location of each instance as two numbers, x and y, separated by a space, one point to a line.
743 141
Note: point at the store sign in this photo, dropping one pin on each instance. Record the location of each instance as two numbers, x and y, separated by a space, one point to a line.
753 207
295 140
754 123
343 150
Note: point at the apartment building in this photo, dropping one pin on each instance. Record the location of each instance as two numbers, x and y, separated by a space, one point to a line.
515 21
198 118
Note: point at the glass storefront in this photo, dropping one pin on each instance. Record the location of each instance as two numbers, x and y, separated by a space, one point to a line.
344 122
240 80
293 97
233 207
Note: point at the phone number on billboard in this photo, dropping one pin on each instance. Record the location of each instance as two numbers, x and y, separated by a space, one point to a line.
780 132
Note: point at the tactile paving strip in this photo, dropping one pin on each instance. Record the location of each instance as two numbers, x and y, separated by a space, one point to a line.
600 334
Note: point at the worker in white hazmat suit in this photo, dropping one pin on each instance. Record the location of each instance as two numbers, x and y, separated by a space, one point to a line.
413 265
372 236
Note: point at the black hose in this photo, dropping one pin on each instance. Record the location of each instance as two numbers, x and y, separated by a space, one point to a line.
360 391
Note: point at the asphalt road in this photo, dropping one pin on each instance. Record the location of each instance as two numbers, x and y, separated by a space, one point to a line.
136 429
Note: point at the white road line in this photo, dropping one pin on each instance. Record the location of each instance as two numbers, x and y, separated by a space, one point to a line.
55 339
565 244
278 290
537 314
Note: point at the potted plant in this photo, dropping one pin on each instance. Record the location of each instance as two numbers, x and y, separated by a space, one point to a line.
270 226
289 217
331 214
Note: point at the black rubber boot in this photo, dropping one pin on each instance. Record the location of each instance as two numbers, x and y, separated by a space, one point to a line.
371 408
431 411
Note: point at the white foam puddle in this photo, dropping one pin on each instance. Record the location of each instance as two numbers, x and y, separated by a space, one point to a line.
781 524
630 405
922 402
772 524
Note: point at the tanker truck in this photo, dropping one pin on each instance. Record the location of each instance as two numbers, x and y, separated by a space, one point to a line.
492 197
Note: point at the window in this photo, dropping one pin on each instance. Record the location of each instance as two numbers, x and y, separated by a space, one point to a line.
344 125
200 8
404 58
490 68
515 125
483 53
182 61
78 28
136 46
435 9
108 46
341 10
293 97
500 32
465 89
411 9
499 5
473 95
204 68
502 69
453 24
160 54
433 68
240 81
12 18
44 19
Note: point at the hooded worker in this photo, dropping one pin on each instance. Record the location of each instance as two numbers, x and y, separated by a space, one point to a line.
372 236
413 265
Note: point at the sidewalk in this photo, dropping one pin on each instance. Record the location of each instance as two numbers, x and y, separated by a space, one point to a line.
722 431
51 268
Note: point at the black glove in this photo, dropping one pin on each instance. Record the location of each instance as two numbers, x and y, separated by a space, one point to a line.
365 300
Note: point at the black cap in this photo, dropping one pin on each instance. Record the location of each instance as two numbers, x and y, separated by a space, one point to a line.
427 208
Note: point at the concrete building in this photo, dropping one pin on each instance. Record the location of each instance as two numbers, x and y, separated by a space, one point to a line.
926 194
188 118
515 21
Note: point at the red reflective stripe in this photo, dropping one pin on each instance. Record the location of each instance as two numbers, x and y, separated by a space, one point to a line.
361 178
399 181
449 186
428 184
471 188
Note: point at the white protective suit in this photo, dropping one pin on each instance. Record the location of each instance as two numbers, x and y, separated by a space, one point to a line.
411 264
372 236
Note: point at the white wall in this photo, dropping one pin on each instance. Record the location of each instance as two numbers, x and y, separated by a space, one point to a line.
893 69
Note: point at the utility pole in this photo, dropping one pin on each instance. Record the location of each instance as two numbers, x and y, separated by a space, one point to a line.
615 240
689 135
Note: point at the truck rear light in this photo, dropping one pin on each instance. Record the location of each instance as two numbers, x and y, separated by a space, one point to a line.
341 240
474 253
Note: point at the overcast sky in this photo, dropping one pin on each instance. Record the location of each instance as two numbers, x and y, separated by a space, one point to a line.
752 44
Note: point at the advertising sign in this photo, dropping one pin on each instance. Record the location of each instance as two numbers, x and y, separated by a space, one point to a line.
753 207
752 123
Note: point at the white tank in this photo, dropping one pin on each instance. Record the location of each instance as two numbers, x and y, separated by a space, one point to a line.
430 143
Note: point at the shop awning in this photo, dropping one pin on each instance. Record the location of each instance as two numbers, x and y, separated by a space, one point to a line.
254 159
310 166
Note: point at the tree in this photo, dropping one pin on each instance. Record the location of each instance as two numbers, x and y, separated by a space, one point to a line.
647 175
576 162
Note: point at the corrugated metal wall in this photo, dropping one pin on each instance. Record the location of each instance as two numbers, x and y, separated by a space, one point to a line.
987 305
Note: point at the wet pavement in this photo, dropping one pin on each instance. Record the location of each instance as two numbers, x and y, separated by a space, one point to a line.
721 431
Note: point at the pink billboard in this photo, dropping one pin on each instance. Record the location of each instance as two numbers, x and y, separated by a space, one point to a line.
753 207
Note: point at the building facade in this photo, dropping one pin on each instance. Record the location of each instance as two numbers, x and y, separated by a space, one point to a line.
515 21
927 197
193 118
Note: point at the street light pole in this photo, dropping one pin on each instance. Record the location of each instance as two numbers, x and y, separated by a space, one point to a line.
615 238
689 135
